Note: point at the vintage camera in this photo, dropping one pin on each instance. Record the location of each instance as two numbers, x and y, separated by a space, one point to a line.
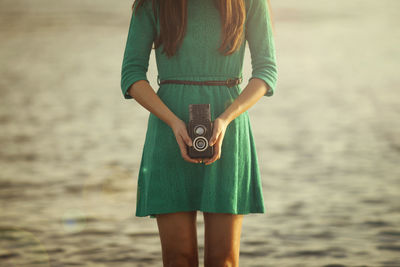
200 131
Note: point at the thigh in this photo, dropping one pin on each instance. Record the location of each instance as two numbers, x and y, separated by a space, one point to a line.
222 237
178 235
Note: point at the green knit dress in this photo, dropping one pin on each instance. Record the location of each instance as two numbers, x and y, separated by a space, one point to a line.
166 182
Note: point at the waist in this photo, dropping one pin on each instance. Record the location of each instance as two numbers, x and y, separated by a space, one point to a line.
220 80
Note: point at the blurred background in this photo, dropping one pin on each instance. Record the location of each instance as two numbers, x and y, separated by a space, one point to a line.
328 140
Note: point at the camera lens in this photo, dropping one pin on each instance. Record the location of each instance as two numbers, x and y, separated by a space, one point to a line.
199 129
200 143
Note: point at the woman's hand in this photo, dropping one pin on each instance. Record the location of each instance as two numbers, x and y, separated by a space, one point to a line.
183 139
219 128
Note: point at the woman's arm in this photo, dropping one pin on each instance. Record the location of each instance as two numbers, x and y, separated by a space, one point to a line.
260 39
145 95
262 82
134 82
254 91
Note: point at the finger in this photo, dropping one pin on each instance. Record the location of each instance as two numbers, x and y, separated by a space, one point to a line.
217 150
211 160
216 154
189 159
186 156
214 137
187 138
184 151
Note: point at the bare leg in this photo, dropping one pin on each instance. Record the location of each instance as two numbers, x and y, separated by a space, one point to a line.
178 237
222 239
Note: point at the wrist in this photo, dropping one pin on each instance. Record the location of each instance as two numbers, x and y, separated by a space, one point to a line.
224 118
173 120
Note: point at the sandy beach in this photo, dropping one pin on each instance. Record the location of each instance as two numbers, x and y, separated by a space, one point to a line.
328 140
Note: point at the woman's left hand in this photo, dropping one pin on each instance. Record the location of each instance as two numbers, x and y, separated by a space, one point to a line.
219 128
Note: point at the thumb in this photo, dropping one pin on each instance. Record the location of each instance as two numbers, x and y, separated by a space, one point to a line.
213 137
187 139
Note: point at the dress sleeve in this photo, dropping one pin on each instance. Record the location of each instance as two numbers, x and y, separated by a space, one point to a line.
260 39
139 42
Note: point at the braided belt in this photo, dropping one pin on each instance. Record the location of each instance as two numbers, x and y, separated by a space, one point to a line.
229 82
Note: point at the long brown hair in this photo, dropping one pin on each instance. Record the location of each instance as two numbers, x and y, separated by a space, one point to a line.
173 20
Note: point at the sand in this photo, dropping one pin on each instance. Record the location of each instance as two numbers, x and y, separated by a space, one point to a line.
328 140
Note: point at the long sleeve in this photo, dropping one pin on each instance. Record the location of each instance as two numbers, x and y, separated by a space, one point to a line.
139 42
260 39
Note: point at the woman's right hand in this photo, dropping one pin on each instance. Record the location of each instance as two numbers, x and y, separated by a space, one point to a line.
183 139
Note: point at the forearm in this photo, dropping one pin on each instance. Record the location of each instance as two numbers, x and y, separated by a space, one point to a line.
144 94
255 89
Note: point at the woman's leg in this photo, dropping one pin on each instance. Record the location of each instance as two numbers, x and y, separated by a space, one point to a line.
178 237
222 239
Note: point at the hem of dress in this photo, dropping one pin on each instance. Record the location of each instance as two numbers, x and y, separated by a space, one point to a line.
152 215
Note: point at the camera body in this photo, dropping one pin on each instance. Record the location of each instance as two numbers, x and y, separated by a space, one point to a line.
200 131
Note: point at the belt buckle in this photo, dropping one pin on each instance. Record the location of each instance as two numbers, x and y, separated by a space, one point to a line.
228 82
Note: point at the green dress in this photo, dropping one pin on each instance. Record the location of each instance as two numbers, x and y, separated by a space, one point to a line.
166 182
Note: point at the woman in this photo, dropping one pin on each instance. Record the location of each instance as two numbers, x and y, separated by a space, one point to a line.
197 42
